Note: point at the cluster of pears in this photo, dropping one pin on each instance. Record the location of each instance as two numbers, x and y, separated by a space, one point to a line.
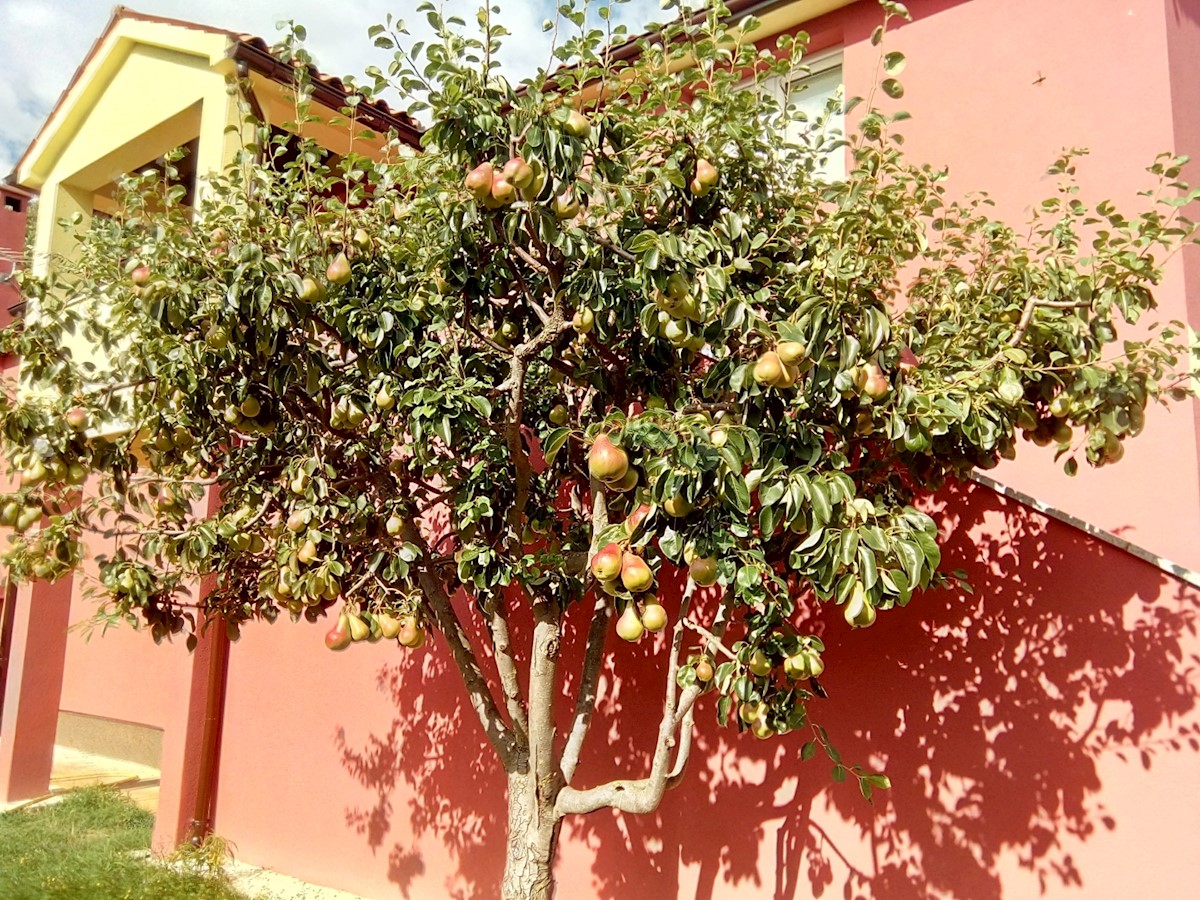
346 414
779 368
354 624
615 569
679 319
20 516
247 416
515 179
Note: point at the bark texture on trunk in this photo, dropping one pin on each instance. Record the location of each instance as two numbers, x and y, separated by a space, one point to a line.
532 838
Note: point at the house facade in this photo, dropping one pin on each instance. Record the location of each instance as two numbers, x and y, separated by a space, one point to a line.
1042 733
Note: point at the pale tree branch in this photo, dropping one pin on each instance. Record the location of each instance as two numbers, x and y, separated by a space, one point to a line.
593 657
543 670
497 611
498 733
645 794
585 701
1035 303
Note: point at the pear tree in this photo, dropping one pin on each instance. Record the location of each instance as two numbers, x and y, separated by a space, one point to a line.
611 331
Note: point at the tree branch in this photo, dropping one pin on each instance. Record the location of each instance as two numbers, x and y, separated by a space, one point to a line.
543 669
593 657
497 610
1034 303
585 701
644 795
498 733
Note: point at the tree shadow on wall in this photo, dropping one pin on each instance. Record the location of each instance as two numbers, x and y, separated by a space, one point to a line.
434 758
990 711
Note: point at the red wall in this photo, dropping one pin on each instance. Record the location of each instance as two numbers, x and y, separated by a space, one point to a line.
12 243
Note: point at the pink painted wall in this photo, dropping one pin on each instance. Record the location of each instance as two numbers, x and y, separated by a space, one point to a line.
997 89
120 674
364 769
1039 733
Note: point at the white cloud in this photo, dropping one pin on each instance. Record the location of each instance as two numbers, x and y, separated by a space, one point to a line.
42 42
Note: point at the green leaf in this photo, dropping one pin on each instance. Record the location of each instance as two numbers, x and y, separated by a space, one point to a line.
738 492
892 88
808 751
554 443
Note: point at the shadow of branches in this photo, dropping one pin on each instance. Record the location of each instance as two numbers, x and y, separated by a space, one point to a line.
991 711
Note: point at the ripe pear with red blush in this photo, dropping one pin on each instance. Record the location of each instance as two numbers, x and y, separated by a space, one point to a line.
607 461
606 564
479 180
338 637
517 172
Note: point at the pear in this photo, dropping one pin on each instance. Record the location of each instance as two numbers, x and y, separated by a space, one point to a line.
384 399
310 290
759 665
703 570
577 124
790 352
308 552
583 320
389 625
636 576
565 205
654 617
77 418
628 483
677 506
479 180
607 461
769 368
339 270
359 630
629 626
606 564
338 637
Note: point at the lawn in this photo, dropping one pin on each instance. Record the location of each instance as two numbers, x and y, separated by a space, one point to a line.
80 848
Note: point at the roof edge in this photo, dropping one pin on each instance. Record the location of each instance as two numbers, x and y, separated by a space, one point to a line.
1183 573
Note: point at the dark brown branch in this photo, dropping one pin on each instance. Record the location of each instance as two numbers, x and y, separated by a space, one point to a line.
498 733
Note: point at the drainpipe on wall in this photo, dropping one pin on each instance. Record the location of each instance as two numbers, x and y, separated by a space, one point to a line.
214 716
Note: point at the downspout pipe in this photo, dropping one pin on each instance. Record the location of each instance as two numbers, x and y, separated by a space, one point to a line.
201 825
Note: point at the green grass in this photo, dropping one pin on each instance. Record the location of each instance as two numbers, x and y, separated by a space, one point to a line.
80 849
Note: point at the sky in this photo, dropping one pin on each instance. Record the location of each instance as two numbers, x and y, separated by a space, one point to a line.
42 42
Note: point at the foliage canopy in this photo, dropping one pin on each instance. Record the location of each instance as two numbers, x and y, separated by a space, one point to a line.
613 307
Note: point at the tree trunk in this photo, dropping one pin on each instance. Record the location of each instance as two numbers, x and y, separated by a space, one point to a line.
532 838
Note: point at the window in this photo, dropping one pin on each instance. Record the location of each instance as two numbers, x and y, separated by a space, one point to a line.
13 203
817 97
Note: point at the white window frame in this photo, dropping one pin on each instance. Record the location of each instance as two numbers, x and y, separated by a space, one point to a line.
833 167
